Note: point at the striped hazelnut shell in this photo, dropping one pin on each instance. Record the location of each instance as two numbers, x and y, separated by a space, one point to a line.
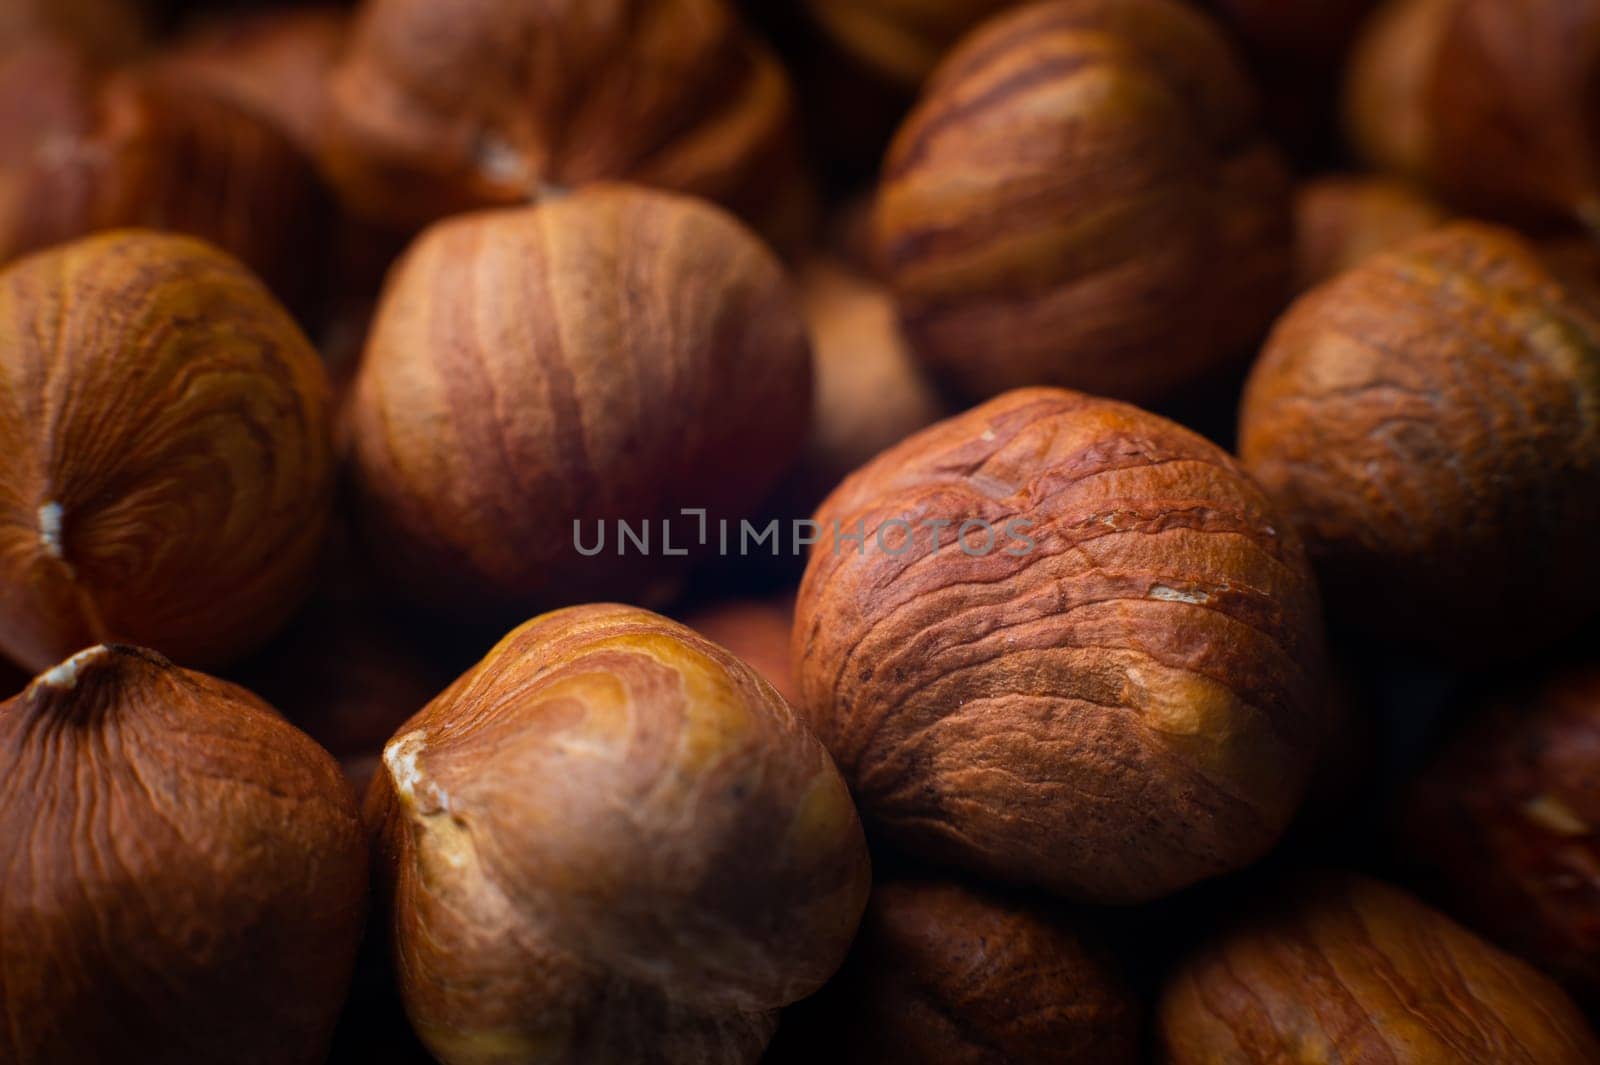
440 108
1491 104
1353 970
1112 701
1055 210
612 841
616 354
166 469
1430 422
186 874
1505 825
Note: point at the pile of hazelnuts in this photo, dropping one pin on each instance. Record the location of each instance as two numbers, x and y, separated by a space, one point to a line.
680 532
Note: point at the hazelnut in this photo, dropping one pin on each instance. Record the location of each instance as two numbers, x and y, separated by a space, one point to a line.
612 841
900 41
757 631
1073 648
945 973
82 152
1427 421
165 463
1490 104
185 872
440 108
1352 970
1055 209
535 375
1342 220
1504 825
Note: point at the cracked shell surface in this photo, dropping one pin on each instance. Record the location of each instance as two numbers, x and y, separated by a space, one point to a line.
185 873
1128 707
611 841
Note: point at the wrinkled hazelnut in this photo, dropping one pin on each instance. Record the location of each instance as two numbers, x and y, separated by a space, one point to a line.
165 463
1075 649
1055 210
1427 421
1342 221
1353 970
185 873
612 841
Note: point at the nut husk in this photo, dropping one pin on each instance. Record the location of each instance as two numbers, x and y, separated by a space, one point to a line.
1113 702
611 841
1430 422
166 470
185 872
440 108
1349 969
1055 209
616 354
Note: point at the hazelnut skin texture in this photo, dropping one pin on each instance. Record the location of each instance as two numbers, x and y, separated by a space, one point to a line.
1114 701
441 108
611 841
900 41
1430 422
186 873
1054 210
1503 826
166 467
83 152
945 973
1354 970
616 354
757 631
1342 221
1490 104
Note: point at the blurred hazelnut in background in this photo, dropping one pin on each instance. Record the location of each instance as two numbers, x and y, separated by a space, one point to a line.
1342 220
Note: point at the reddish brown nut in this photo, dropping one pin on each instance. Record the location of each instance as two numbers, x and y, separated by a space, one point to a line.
185 872
944 973
900 41
535 375
1504 826
440 108
757 631
165 462
105 29
1342 221
1351 970
1489 103
274 63
871 392
81 152
1055 210
1428 422
1108 687
612 841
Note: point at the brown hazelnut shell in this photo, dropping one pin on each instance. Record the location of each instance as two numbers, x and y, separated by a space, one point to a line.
1340 221
1353 970
616 354
1504 826
1055 209
166 468
1126 706
612 841
1430 422
186 874
440 108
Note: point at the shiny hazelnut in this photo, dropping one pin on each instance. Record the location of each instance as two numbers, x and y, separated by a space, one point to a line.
535 375
440 108
612 841
82 152
1504 825
945 973
1351 970
185 873
900 41
1055 210
1428 422
165 463
1341 221
1491 104
1073 647
757 631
